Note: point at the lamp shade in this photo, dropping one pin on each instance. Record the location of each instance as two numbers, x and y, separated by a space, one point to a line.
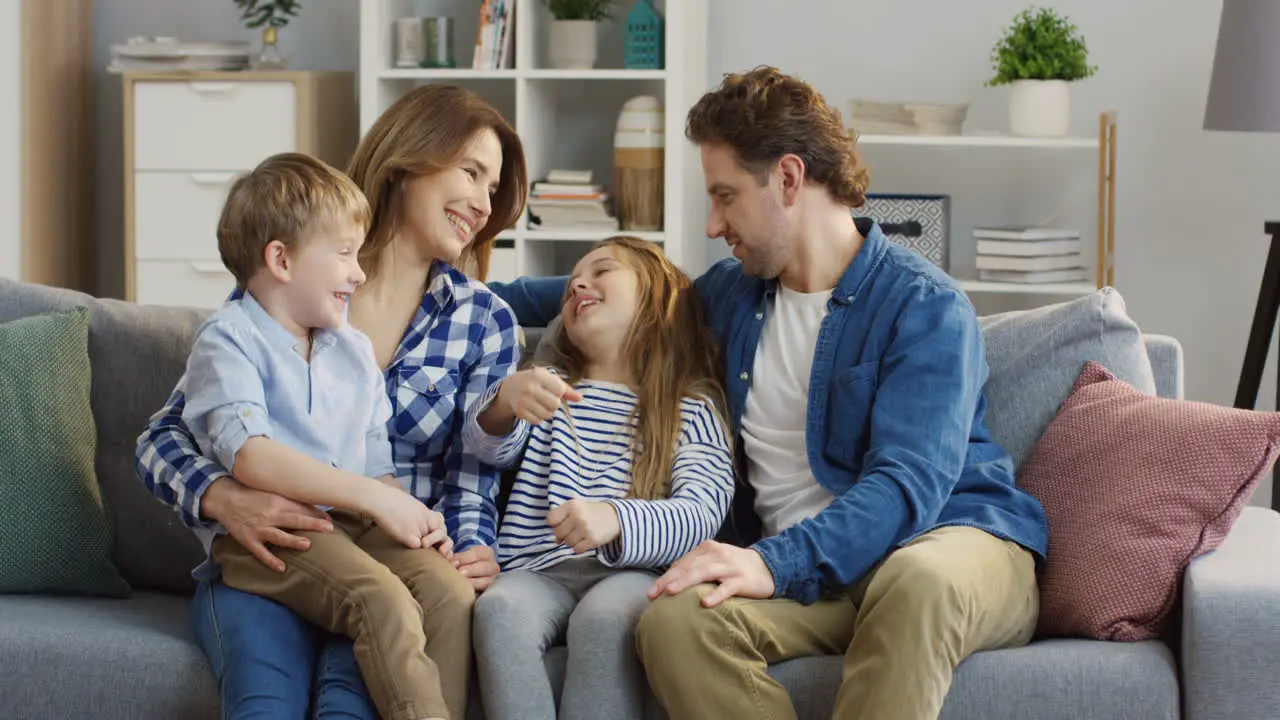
1244 92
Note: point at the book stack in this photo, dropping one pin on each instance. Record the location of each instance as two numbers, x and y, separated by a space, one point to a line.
495 36
568 200
1029 255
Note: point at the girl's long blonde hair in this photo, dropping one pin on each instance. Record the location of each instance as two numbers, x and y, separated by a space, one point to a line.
672 356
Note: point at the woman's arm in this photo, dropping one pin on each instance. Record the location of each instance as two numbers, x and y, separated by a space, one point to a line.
170 465
655 533
470 485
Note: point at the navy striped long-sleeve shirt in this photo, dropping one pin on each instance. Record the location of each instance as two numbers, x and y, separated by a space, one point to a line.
589 457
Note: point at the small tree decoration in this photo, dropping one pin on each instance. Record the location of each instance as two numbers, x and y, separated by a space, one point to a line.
1040 44
269 15
644 37
596 10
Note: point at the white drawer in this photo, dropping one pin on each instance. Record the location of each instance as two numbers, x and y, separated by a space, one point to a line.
183 283
176 214
199 125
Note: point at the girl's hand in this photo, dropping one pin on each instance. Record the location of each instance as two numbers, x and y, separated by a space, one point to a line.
534 395
585 524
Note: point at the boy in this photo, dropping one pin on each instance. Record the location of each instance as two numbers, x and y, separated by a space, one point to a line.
289 399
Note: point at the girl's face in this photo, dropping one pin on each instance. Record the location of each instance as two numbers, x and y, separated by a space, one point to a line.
444 211
601 302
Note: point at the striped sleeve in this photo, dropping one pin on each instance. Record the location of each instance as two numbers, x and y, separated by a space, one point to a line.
656 533
500 450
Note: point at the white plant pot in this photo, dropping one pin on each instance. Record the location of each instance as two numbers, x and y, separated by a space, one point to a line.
573 44
1039 108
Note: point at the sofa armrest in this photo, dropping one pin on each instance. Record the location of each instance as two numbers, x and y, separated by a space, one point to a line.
1231 624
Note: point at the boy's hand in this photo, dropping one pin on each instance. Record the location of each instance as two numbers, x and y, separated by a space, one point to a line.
534 395
585 524
406 519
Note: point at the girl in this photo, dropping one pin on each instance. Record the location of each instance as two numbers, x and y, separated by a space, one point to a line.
443 173
626 468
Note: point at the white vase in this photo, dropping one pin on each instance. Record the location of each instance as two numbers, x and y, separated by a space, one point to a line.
1039 108
573 44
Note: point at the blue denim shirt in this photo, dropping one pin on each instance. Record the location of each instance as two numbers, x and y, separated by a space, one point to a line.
896 422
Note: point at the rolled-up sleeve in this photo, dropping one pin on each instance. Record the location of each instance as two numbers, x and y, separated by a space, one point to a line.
225 401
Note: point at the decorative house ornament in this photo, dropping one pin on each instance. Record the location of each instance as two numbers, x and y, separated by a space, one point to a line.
644 37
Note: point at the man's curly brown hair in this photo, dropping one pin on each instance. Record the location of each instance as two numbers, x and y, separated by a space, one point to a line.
764 114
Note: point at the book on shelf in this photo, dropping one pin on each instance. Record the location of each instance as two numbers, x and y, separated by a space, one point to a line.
1034 276
1028 248
1025 233
495 36
1041 262
568 199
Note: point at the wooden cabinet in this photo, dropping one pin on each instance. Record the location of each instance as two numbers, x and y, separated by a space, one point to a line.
187 137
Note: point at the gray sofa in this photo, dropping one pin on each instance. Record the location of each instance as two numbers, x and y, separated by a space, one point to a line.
135 658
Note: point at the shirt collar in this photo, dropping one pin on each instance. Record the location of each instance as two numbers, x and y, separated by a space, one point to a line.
275 333
440 282
867 259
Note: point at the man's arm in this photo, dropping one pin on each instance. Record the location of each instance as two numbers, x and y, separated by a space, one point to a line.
535 301
931 380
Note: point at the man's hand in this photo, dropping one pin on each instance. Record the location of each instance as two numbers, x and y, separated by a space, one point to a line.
256 519
739 571
584 524
477 565
406 519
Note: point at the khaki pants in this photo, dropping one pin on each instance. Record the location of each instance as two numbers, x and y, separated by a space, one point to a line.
407 611
902 630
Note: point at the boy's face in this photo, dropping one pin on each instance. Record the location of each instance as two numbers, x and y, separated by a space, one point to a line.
323 274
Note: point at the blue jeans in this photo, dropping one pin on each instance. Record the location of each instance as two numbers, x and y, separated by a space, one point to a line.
270 663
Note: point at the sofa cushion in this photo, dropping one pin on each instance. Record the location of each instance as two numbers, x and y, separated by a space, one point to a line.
1047 680
137 354
1134 488
128 659
1036 355
53 528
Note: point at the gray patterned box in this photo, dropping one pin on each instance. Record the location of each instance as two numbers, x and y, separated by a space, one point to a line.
919 222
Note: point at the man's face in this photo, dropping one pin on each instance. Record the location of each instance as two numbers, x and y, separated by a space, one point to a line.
748 215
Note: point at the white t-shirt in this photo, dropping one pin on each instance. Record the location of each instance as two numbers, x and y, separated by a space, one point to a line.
773 421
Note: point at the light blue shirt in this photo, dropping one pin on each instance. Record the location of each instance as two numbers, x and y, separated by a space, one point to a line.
245 378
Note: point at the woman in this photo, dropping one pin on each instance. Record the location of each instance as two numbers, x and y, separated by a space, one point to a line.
444 174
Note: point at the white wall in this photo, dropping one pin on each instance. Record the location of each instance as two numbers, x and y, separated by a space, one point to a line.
1191 204
10 130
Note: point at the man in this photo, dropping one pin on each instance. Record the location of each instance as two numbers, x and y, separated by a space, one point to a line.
890 528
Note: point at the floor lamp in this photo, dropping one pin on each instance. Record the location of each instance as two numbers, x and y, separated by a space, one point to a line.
1244 96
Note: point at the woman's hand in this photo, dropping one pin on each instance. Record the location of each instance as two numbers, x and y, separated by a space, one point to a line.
585 524
256 519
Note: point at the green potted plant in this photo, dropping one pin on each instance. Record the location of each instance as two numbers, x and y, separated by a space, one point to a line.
270 15
1040 53
573 31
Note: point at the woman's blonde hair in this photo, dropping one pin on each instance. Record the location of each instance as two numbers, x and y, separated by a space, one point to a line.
672 356
422 134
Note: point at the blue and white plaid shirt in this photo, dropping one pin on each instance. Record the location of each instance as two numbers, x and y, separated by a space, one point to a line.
461 342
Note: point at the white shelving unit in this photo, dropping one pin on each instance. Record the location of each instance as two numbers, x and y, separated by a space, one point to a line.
565 118
1104 144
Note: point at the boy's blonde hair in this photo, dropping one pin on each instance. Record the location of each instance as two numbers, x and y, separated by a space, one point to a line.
284 198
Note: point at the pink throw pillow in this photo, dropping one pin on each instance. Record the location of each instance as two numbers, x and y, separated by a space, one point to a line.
1134 488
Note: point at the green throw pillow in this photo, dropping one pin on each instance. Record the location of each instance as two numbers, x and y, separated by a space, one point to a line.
53 526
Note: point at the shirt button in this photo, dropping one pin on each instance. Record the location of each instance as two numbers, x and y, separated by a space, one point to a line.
245 413
759 316
743 375
431 387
